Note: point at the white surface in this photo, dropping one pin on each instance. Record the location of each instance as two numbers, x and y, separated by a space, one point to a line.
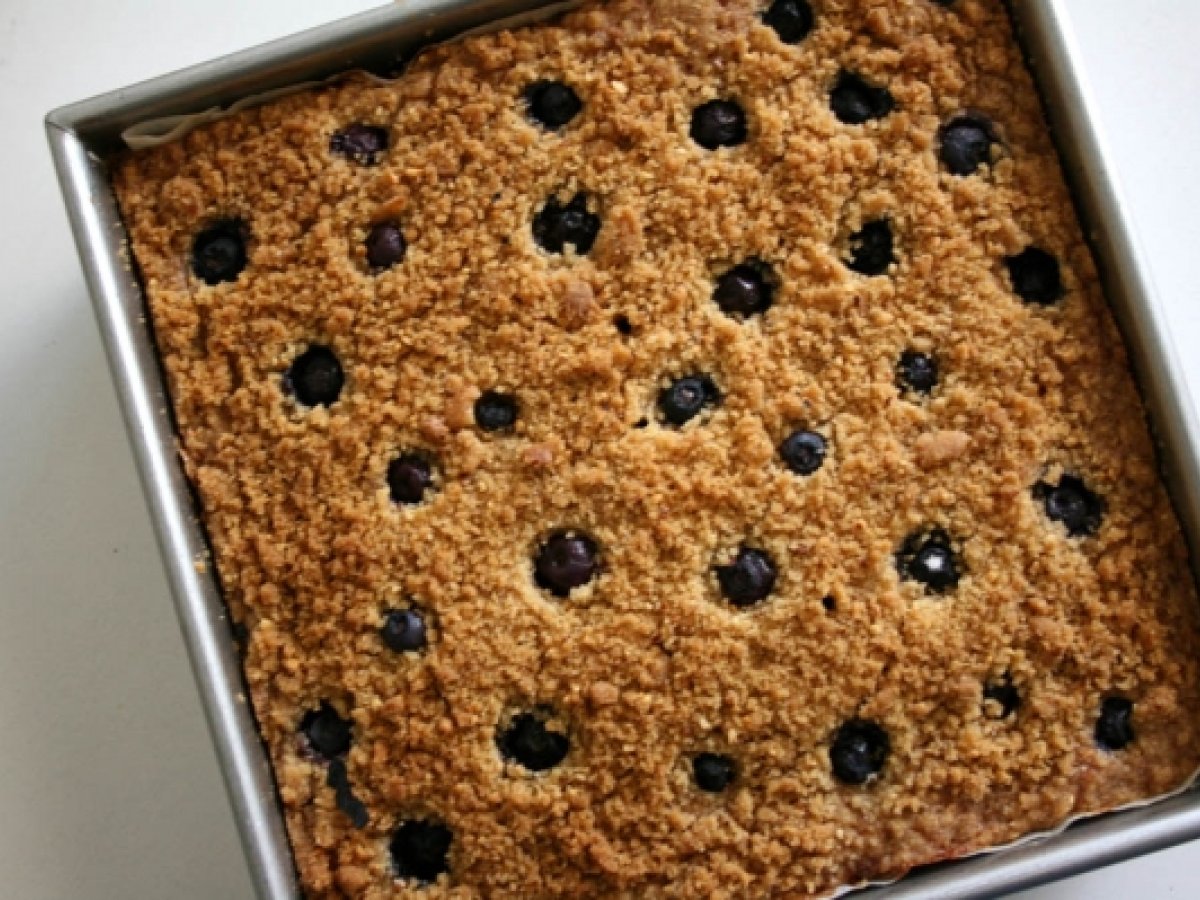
107 782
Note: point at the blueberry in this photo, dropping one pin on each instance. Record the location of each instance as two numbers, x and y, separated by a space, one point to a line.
803 451
343 794
1114 727
530 743
565 561
713 772
929 559
855 101
552 103
749 578
385 246
558 225
409 478
362 143
1072 503
745 290
859 750
404 631
1035 276
917 372
495 411
219 252
791 19
420 850
1005 693
872 248
966 144
687 397
316 377
719 123
327 733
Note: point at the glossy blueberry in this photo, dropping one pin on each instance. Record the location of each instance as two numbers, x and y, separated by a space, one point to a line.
713 772
1071 502
803 451
687 397
745 290
565 561
855 101
749 579
1114 726
364 144
420 850
404 631
530 743
552 104
719 123
1005 693
1035 276
316 377
917 372
495 411
872 248
409 478
327 733
859 750
791 19
343 794
965 144
219 252
929 559
385 246
558 225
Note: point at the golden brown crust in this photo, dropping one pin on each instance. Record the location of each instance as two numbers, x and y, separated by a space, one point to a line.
646 665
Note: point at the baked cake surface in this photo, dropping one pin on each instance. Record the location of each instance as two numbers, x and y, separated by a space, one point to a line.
678 451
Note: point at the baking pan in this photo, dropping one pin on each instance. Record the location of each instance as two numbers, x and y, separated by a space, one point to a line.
84 134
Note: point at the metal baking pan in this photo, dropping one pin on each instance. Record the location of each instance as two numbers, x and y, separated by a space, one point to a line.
84 134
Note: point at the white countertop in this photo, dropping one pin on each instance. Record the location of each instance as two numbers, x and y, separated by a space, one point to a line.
107 782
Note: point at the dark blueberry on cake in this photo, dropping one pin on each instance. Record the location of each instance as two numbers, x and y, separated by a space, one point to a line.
803 451
566 560
495 411
219 252
362 143
404 631
343 794
327 733
713 772
1004 694
409 478
749 579
316 377
855 101
860 749
966 144
719 123
929 559
1114 727
1071 502
872 248
687 397
530 743
745 290
421 850
917 372
385 246
552 103
1035 276
791 19
558 225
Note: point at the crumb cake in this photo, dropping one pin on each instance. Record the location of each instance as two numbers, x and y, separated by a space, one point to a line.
678 450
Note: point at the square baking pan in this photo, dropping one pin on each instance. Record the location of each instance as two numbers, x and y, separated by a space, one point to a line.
84 135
